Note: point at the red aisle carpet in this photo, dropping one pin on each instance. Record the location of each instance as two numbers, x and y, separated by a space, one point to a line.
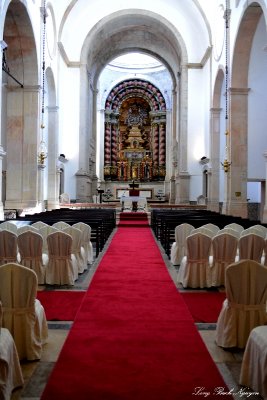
60 305
133 338
204 307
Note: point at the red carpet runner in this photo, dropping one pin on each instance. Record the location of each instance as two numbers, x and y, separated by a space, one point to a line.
60 305
133 337
204 307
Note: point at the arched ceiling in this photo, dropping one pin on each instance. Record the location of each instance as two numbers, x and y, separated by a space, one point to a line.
243 45
21 51
119 34
173 32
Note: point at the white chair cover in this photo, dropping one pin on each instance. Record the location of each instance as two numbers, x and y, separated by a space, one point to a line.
245 305
195 270
178 249
60 269
45 231
141 204
26 228
9 226
254 364
231 232
253 229
23 314
212 227
30 246
77 251
8 247
39 224
60 225
261 228
203 230
251 247
86 241
224 248
127 205
235 227
10 370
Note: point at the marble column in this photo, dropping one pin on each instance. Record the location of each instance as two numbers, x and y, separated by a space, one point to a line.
22 134
52 160
2 154
214 172
236 183
41 205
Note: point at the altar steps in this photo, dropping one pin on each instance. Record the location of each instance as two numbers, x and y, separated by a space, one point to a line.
133 219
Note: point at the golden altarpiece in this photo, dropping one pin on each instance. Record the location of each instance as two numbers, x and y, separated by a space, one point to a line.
135 133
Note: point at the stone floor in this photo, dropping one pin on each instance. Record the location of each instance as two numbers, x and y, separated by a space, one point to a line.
36 373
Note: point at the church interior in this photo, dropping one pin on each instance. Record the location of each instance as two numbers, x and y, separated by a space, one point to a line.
134 117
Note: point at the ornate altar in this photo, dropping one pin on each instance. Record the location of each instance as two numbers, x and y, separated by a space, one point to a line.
135 133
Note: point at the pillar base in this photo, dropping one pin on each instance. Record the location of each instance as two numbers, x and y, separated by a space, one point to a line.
264 215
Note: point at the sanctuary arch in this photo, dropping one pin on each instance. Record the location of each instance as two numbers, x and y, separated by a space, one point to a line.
135 133
150 34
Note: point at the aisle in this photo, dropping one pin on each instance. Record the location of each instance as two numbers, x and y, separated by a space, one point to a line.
133 337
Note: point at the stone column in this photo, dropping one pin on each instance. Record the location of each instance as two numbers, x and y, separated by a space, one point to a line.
41 205
22 147
182 177
2 154
214 172
236 201
264 216
52 160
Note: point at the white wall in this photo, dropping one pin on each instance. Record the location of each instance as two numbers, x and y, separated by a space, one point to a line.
257 104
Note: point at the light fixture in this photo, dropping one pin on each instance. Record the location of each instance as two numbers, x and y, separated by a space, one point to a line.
5 67
226 163
42 151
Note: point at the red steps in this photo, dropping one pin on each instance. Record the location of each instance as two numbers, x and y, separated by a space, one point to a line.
134 219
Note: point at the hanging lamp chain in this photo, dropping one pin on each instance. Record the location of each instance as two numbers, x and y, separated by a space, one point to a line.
226 163
42 149
43 64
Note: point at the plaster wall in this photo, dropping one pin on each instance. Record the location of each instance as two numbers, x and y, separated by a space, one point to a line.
69 117
257 104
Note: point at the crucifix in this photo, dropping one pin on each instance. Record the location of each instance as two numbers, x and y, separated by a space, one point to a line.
133 185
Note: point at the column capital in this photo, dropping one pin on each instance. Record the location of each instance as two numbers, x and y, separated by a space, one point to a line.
239 91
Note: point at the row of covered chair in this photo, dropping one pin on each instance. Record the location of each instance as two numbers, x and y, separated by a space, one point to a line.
102 221
182 231
207 257
23 314
242 322
44 229
164 222
57 254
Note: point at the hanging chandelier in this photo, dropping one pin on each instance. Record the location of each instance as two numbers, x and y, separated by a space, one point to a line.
42 151
226 163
